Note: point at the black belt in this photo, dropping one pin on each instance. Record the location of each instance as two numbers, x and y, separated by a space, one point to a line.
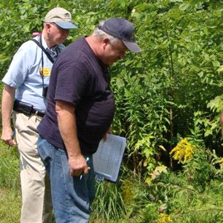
26 108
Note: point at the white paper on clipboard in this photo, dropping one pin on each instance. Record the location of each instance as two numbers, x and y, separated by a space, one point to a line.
108 158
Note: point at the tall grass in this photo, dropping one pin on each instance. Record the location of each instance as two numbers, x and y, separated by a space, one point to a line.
10 203
108 205
9 167
10 199
194 194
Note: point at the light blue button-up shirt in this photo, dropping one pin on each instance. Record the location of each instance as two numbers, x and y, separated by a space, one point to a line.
24 73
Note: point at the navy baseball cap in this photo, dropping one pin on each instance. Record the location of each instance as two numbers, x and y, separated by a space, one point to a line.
123 30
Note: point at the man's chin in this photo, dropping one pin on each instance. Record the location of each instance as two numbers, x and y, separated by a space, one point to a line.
60 41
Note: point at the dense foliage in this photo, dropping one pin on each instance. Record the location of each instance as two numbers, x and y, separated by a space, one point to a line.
172 90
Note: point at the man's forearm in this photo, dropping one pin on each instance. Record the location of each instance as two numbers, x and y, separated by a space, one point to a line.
67 127
7 104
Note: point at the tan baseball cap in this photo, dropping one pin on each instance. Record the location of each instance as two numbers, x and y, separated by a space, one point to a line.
61 17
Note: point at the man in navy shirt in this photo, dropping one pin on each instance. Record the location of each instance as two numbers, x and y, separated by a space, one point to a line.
79 113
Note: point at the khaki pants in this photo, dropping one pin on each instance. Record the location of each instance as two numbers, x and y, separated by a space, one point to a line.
35 186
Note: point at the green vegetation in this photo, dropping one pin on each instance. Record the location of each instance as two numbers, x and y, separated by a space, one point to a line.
10 200
168 99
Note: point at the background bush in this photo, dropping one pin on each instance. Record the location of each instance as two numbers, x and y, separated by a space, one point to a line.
162 92
170 91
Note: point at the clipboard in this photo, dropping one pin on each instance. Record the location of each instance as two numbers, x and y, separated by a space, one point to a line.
108 157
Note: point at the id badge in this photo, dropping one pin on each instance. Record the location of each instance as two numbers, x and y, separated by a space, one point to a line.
44 71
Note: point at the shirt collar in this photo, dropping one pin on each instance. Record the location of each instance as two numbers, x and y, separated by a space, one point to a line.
53 49
43 42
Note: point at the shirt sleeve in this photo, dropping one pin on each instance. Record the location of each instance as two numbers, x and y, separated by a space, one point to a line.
72 82
20 66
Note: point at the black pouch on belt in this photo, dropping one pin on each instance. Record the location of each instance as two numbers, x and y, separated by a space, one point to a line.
22 107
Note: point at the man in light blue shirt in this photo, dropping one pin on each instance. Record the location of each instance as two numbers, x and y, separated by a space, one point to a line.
26 83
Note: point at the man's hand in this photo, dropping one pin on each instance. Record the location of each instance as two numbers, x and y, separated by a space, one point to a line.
78 165
108 132
8 136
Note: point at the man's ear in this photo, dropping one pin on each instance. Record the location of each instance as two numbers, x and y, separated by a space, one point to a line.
106 41
47 26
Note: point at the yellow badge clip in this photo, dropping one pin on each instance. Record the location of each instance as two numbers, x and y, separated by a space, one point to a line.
44 71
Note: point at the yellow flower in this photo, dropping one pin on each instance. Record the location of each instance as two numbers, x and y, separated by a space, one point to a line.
183 151
165 218
220 162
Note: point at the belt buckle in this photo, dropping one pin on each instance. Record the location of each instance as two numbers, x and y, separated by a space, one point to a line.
36 112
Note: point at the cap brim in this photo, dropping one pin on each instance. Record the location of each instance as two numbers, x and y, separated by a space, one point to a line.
66 25
132 46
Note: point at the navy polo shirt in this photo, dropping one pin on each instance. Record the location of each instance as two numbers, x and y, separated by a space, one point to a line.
80 78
